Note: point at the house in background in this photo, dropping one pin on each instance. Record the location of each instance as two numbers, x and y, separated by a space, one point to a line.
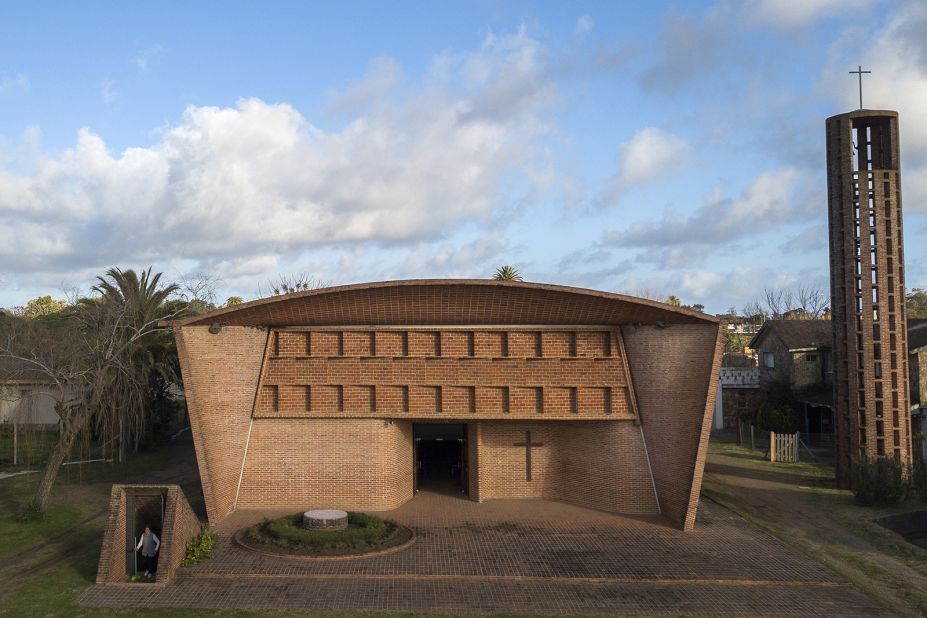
738 392
917 363
917 369
799 354
26 396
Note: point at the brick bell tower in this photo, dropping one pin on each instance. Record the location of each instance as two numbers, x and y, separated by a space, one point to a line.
871 412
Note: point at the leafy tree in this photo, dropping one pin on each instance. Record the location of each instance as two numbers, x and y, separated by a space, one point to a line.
43 306
231 301
103 358
776 411
736 342
916 303
507 273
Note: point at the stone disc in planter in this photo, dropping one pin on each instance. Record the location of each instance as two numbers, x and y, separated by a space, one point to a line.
325 519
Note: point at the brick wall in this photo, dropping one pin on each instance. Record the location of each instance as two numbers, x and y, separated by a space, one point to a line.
180 524
327 463
318 410
600 464
220 375
674 370
112 564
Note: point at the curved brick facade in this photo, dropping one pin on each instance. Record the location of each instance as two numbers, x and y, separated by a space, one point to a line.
310 399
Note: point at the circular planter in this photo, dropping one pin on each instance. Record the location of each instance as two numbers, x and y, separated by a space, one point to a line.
287 537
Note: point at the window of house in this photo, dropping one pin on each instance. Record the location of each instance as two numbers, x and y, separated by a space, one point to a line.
811 356
770 359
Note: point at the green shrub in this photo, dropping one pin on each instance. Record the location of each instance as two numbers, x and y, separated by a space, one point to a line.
201 546
777 410
29 511
918 469
363 531
880 481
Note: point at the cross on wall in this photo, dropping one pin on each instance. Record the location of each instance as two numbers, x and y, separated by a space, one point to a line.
528 444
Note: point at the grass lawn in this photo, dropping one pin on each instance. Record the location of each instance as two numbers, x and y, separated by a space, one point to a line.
800 505
45 565
47 580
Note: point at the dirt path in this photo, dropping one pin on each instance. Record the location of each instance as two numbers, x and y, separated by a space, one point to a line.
824 523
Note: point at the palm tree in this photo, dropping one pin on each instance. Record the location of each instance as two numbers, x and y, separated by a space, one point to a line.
139 297
673 301
145 368
507 273
108 360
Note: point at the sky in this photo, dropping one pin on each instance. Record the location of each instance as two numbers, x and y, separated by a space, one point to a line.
657 148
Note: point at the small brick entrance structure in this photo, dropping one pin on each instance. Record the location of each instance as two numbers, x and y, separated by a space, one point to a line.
308 400
175 524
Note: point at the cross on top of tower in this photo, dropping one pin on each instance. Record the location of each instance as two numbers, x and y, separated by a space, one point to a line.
859 71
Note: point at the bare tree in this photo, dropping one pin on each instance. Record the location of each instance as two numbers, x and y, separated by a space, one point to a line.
812 300
648 294
292 282
805 302
199 290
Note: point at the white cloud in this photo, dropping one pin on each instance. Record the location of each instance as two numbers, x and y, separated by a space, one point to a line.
897 56
108 91
679 241
245 186
792 13
473 259
143 59
383 76
9 84
650 154
584 24
700 284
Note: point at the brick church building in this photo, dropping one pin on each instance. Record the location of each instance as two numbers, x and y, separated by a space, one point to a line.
358 396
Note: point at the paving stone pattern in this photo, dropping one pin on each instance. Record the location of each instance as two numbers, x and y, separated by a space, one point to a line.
524 557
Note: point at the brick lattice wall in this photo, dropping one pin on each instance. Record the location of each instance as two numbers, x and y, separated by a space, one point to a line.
462 374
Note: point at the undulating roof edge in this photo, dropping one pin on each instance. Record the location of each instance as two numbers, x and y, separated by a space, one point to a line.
228 312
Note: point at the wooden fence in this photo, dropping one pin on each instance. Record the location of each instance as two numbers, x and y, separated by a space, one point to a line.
783 447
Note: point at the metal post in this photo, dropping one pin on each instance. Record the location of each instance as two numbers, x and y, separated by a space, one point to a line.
15 441
796 446
752 447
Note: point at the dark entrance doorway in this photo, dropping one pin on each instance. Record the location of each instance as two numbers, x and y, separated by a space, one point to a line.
441 457
142 509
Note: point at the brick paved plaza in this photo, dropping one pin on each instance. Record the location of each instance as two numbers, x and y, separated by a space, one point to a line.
522 557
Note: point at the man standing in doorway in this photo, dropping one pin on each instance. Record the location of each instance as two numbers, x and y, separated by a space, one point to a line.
149 543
